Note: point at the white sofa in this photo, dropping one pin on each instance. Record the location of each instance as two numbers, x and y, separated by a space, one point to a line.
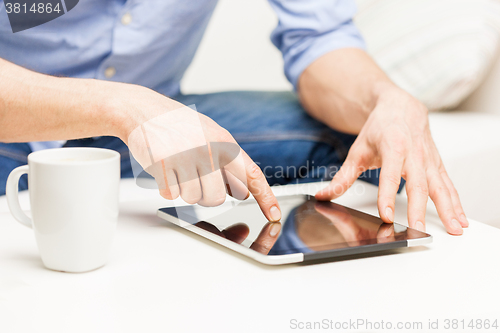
236 54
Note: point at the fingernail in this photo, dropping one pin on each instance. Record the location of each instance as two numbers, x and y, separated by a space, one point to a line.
389 214
456 225
419 226
275 229
275 213
388 232
464 220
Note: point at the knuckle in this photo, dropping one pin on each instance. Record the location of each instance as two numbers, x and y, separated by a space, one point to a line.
396 144
254 172
440 190
454 192
225 136
393 179
420 188
419 156
359 156
398 150
267 200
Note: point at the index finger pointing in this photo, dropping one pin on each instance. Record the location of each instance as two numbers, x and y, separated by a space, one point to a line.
260 189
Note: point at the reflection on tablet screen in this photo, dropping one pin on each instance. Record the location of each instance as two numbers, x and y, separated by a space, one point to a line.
307 226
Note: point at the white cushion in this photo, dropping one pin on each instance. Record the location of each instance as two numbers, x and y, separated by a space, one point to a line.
438 50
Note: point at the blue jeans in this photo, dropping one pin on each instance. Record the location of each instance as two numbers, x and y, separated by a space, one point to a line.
271 127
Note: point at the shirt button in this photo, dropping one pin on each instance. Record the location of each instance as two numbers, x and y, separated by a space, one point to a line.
110 72
126 19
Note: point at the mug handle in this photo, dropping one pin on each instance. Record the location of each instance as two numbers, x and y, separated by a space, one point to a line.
12 193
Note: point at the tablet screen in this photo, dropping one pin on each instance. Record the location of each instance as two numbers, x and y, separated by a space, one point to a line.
307 226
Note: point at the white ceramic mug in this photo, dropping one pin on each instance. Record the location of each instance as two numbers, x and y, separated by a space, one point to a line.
74 205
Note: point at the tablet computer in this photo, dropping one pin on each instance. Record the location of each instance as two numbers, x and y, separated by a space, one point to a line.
309 230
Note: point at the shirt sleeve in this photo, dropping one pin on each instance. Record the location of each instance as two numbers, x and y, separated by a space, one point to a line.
308 29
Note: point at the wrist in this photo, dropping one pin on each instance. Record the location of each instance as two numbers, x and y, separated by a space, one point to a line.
128 106
118 114
382 89
390 98
384 92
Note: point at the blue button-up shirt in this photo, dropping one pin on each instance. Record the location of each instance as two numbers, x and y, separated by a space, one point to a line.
152 42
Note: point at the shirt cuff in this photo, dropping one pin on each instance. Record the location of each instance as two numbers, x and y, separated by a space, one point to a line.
41 145
309 49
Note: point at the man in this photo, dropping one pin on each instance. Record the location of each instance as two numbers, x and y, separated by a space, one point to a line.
138 52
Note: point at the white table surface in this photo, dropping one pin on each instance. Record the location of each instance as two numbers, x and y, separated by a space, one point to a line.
161 278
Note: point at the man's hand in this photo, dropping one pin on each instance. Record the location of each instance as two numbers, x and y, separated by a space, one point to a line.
188 154
347 91
396 138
